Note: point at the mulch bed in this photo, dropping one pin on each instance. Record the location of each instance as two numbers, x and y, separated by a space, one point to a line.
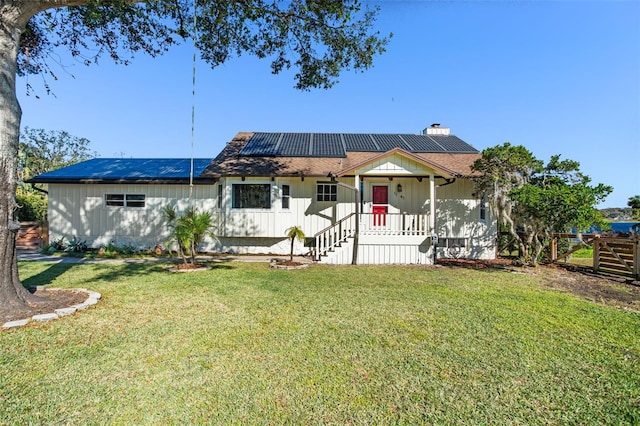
46 302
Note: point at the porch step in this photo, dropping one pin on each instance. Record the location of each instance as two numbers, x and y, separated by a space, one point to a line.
341 254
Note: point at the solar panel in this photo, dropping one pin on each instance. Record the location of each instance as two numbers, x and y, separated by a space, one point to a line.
294 145
360 142
452 143
261 144
327 145
421 143
388 142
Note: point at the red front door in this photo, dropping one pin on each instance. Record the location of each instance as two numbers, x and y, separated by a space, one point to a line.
380 205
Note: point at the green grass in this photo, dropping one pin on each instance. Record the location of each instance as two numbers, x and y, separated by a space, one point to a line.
242 344
584 253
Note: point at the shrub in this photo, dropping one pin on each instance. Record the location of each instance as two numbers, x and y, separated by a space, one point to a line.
33 207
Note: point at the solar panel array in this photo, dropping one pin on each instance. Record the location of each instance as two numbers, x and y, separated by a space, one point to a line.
338 144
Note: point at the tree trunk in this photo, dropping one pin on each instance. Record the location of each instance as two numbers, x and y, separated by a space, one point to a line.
291 255
13 19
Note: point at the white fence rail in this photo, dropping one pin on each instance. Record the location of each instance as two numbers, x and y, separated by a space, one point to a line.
394 224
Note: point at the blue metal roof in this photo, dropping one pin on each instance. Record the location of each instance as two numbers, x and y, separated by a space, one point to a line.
126 169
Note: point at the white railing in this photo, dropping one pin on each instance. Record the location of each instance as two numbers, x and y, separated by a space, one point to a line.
394 224
388 224
331 237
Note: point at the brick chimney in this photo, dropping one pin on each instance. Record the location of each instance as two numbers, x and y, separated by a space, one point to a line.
435 129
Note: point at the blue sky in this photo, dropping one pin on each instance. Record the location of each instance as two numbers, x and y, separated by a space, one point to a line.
559 77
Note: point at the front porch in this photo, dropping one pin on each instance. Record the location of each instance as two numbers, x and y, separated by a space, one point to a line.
375 238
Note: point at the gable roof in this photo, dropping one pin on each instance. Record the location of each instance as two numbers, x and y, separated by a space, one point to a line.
128 170
263 154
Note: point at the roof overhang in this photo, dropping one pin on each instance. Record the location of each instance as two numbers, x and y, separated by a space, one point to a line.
138 181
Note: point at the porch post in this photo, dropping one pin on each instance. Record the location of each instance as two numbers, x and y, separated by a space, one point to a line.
432 203
356 184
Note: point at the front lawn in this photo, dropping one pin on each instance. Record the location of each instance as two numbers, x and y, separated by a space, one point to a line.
243 344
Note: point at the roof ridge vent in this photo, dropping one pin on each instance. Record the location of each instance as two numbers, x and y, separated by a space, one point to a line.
435 129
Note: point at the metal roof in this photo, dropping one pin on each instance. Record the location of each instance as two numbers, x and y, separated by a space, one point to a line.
147 170
336 145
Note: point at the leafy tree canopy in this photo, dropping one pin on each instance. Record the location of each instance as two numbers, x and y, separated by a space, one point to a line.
318 37
42 151
634 203
533 200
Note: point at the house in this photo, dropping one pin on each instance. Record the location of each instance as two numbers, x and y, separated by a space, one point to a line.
365 198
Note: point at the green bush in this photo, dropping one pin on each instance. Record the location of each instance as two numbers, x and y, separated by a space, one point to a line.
33 207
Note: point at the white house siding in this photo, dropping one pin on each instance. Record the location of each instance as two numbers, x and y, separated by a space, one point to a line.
79 210
263 230
458 216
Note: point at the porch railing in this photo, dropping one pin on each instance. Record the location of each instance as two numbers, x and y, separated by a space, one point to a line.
387 224
394 224
331 237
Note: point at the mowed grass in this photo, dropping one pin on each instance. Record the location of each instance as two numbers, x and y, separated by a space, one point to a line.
243 344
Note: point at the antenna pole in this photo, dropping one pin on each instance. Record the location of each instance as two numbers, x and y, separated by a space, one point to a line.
193 94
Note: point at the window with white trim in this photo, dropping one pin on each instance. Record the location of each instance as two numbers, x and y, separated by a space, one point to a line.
327 192
251 196
219 196
124 200
286 196
483 209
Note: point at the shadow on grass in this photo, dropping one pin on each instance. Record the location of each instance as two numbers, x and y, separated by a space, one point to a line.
127 270
47 276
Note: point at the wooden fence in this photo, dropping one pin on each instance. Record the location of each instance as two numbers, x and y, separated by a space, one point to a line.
620 256
31 236
612 255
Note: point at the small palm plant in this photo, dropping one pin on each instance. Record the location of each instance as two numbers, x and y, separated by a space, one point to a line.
188 230
293 233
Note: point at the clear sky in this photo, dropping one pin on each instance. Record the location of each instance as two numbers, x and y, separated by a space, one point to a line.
559 77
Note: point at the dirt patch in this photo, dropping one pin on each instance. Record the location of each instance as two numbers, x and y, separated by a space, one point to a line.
45 302
608 290
477 263
581 282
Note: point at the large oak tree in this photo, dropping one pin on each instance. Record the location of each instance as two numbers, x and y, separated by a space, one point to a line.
533 200
318 38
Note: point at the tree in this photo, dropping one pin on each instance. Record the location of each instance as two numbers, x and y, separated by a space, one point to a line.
294 233
188 230
534 200
41 151
634 203
317 37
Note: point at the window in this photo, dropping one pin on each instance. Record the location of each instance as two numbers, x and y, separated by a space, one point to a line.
252 196
483 209
124 200
219 196
327 192
286 196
